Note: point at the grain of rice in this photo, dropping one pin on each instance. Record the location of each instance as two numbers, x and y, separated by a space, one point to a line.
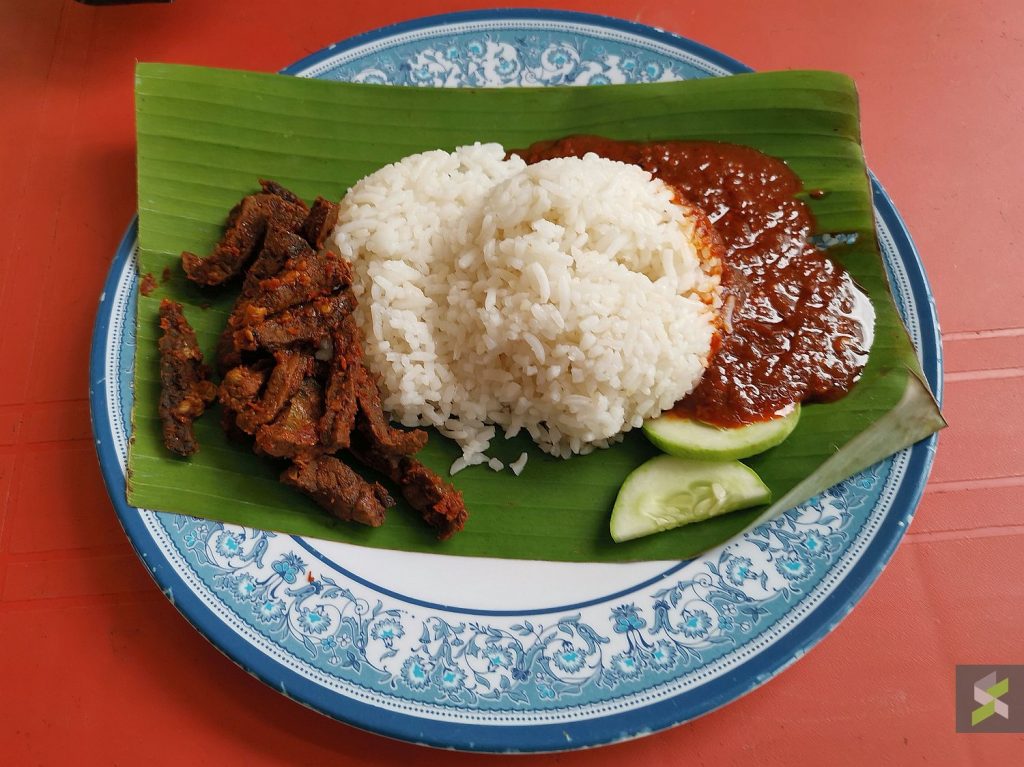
519 464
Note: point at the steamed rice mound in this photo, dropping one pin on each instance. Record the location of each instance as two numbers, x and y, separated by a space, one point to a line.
573 298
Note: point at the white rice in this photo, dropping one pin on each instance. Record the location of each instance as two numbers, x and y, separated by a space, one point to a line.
519 464
572 298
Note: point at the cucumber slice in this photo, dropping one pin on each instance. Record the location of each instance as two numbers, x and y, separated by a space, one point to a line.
687 438
667 492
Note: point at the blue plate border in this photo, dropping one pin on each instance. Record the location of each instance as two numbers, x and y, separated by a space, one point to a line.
569 735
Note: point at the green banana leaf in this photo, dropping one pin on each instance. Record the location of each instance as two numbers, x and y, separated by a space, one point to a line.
206 135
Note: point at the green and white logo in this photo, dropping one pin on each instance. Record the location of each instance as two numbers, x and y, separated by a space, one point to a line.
990 698
987 691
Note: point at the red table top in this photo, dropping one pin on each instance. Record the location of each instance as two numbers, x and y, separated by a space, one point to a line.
94 660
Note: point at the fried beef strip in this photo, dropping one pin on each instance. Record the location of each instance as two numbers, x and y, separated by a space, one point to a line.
309 275
246 227
304 324
340 404
185 388
293 434
272 187
440 505
372 421
282 384
280 245
323 215
240 388
341 491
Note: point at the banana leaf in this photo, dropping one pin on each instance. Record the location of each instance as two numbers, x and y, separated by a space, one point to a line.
206 135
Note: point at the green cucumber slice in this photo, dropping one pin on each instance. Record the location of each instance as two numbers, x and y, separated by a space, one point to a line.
667 492
687 438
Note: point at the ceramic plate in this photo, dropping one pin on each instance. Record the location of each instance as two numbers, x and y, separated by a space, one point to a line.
497 655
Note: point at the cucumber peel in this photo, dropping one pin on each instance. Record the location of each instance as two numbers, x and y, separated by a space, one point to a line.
667 492
687 438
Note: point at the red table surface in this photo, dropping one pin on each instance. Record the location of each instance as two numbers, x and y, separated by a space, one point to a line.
97 665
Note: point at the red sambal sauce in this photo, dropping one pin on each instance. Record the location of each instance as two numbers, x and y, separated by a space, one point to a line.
791 325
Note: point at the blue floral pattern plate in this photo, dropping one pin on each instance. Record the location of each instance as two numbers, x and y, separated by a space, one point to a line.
496 655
